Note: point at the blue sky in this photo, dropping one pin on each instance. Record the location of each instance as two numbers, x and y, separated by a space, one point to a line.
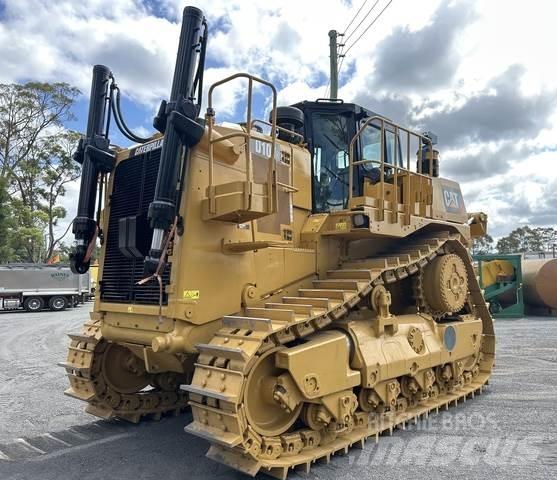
454 67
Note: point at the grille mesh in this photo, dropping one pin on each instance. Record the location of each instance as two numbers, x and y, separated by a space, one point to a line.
133 190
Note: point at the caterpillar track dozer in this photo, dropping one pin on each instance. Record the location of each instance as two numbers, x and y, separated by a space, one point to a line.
301 283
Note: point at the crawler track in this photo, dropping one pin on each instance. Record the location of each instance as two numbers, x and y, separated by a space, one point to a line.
83 368
222 369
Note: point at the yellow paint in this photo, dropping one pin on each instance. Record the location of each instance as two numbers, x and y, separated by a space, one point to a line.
191 294
341 226
495 269
130 309
94 269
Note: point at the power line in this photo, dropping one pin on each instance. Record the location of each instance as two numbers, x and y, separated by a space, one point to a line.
362 21
339 53
342 53
340 65
368 27
354 17
363 33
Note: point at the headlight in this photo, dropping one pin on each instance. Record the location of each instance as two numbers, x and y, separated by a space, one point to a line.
360 220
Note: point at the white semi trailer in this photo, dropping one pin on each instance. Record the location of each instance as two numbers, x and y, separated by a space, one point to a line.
35 287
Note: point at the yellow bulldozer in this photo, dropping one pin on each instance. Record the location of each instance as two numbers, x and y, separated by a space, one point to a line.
301 283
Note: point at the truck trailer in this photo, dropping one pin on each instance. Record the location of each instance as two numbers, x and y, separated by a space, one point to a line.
34 287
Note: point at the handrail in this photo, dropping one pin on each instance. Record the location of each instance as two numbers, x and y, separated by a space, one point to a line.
282 129
395 167
286 186
210 121
291 187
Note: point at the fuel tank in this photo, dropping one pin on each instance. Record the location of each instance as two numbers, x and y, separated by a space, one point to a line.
540 282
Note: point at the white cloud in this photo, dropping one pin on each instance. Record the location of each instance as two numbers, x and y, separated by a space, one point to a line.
60 41
286 42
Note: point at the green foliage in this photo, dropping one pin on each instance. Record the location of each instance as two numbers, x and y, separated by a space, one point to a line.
482 245
5 221
28 112
36 165
526 239
547 238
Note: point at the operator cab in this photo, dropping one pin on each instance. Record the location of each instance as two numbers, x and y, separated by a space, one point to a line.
329 127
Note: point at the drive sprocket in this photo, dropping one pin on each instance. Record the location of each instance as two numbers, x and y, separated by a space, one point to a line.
234 379
441 287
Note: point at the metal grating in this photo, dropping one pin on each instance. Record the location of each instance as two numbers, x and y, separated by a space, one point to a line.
133 190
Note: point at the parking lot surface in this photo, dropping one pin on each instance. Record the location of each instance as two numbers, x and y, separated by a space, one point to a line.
508 431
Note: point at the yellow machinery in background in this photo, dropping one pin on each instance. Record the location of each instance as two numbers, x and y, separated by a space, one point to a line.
497 271
501 279
514 286
302 283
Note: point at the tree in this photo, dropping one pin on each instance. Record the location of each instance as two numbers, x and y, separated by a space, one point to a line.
525 239
41 181
58 169
547 238
517 241
482 245
5 221
27 112
36 163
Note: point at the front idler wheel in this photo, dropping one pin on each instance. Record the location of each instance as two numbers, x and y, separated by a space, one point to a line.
266 415
123 371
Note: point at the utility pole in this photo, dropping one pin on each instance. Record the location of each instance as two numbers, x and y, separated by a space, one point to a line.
333 55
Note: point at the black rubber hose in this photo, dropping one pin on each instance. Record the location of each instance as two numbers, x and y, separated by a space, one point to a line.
118 117
198 82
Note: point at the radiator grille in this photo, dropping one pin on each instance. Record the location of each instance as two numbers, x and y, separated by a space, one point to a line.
133 190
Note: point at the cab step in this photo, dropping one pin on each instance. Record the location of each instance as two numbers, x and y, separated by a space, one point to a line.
340 284
297 308
315 302
325 293
274 314
350 274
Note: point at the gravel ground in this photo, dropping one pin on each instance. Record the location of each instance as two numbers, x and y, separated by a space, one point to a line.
510 430
31 345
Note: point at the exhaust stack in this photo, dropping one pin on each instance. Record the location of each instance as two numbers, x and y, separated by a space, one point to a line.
94 154
176 119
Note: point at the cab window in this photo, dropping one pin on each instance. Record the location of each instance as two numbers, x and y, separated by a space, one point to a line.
330 161
370 149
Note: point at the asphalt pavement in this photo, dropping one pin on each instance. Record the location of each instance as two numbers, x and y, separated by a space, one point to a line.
508 431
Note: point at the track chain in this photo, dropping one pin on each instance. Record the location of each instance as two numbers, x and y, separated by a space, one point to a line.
83 368
223 365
